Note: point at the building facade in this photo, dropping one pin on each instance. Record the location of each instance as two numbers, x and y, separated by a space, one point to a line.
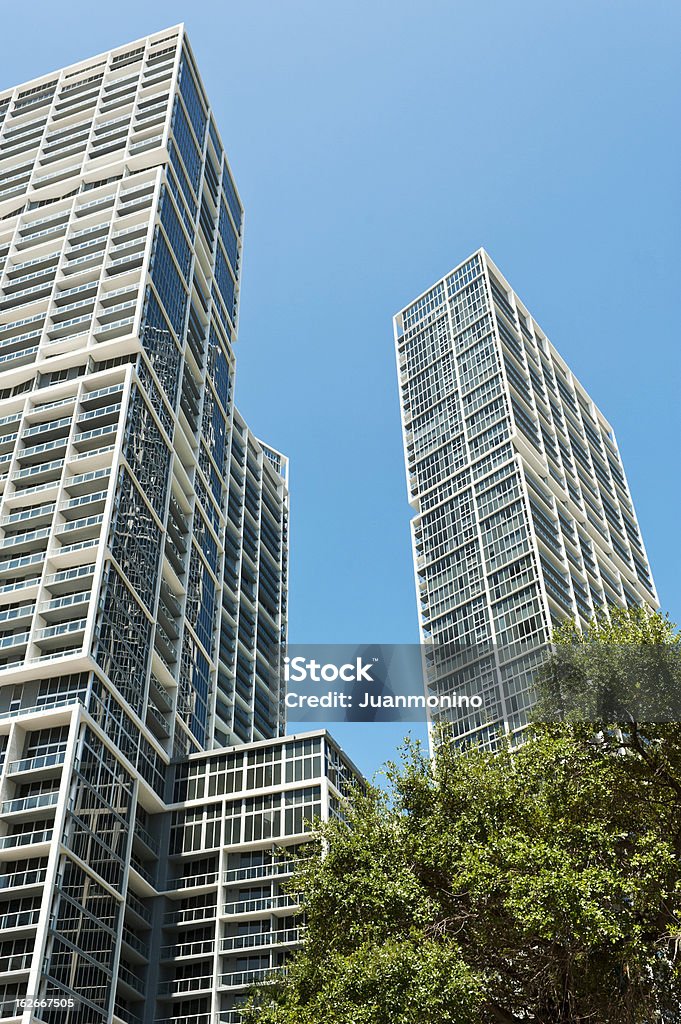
143 565
122 479
523 516
122 903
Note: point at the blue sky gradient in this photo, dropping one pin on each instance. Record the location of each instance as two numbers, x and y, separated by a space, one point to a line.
375 145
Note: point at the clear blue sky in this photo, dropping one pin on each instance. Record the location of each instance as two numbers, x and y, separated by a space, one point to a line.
375 145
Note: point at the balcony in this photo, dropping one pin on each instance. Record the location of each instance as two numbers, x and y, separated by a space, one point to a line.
23 356
136 906
90 261
114 329
144 144
24 804
126 1016
194 1018
130 979
19 919
175 556
80 484
79 529
123 263
25 839
137 866
182 986
68 607
76 698
284 937
189 915
243 979
165 645
36 764
28 538
135 944
43 472
139 198
17 640
146 838
161 695
259 906
194 950
194 881
17 616
22 879
15 962
272 870
88 440
157 722
51 636
40 516
82 211
53 176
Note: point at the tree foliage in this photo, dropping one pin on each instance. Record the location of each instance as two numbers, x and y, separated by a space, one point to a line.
535 886
624 668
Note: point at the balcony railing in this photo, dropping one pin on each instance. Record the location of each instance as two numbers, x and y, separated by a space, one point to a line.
29 803
130 978
264 904
135 943
51 706
17 639
138 907
15 962
286 936
29 764
26 839
193 881
240 979
126 1015
137 865
34 876
202 947
271 870
189 915
194 1018
146 837
19 919
181 986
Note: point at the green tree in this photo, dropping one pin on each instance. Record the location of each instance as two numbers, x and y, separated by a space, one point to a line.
625 668
535 886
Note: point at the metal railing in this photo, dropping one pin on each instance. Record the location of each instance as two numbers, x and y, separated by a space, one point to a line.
271 870
146 837
29 764
286 936
255 906
201 947
243 978
25 839
32 876
29 803
192 881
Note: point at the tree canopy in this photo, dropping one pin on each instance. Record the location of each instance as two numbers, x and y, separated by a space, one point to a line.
540 885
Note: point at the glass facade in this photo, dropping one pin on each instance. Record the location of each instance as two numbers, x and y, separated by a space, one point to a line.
523 516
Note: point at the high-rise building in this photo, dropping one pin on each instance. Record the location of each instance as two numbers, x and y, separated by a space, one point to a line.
523 516
143 566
